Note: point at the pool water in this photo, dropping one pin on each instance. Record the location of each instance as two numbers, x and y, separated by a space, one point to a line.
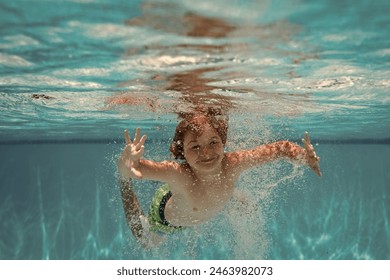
75 74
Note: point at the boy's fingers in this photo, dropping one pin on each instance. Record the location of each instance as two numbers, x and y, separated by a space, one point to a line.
141 143
317 169
312 154
127 137
137 135
307 139
306 145
143 140
140 152
136 173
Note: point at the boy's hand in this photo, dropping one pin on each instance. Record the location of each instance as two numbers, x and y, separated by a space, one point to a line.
311 158
128 162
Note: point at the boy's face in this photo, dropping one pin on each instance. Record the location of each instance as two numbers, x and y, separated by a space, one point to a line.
204 152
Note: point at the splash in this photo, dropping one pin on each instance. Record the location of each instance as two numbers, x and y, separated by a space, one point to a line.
241 230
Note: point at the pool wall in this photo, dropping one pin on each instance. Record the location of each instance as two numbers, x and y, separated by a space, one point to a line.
61 201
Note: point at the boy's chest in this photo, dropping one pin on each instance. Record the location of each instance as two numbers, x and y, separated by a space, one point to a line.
201 200
211 194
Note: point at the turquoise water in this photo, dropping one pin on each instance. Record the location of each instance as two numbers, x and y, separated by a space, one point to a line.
74 74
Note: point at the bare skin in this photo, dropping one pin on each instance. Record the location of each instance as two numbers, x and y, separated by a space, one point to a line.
204 183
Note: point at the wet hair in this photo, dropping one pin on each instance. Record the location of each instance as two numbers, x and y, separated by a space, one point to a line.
196 123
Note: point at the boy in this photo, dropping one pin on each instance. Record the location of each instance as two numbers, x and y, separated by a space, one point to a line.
198 188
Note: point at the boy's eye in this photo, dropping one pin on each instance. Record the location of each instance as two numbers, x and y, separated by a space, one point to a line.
214 142
196 147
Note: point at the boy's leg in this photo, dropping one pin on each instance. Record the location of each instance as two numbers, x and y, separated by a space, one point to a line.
132 209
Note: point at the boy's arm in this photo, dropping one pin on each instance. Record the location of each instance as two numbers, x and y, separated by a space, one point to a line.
165 171
283 149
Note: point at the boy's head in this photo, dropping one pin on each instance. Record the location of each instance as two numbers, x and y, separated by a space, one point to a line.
196 124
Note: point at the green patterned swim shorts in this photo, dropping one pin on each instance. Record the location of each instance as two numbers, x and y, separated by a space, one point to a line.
156 215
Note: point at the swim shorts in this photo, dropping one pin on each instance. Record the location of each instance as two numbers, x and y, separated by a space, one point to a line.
156 215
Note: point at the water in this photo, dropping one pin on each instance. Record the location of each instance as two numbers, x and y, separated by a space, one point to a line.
74 74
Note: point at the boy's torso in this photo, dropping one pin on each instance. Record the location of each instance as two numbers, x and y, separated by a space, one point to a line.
199 200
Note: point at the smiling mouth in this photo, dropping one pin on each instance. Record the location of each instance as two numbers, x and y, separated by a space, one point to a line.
207 161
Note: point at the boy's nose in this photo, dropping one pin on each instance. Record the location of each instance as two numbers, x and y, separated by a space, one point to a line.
205 151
